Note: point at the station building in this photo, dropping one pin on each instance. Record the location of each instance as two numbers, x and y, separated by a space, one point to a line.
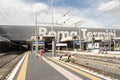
75 37
92 39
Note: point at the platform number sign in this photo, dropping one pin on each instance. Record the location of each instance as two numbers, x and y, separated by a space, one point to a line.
96 45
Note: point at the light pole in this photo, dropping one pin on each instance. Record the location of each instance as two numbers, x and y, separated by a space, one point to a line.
79 33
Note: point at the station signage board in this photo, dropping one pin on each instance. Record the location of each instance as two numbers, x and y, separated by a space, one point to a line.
40 42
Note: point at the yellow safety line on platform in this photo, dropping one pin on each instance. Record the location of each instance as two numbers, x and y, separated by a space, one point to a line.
22 73
76 70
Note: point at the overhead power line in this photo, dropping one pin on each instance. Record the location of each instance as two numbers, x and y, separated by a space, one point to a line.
92 2
6 15
88 6
46 11
97 13
30 9
64 14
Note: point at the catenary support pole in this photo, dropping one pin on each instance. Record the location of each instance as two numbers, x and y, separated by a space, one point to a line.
36 34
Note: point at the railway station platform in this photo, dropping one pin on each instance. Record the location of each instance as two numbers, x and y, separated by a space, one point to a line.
32 68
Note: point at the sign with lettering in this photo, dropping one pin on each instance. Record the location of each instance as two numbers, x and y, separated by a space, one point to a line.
25 32
85 34
91 45
117 47
40 42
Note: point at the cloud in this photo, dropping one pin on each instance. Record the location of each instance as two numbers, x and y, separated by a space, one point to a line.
91 23
111 5
19 12
22 14
109 13
10 11
39 7
74 16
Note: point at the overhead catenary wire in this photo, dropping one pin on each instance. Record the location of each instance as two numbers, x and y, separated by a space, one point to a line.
108 16
30 9
64 14
46 11
43 16
97 13
88 6
83 10
5 18
72 10
6 15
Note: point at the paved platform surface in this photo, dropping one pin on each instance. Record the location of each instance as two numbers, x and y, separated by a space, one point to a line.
40 70
32 68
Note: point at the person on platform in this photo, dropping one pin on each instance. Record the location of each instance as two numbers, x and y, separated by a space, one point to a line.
41 53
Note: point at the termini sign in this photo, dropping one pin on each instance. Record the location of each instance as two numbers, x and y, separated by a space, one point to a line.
104 34
84 33
25 32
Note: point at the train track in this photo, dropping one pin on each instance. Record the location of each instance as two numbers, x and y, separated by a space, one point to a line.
105 60
106 65
7 59
4 54
7 63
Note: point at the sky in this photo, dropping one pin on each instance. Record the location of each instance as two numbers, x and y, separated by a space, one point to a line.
68 13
